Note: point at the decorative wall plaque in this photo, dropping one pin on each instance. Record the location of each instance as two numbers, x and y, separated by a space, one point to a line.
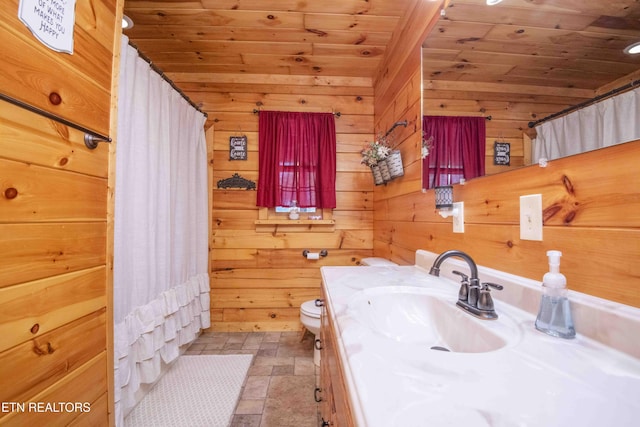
50 21
238 147
236 181
501 153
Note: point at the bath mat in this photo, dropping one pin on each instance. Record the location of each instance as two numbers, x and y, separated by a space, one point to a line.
198 391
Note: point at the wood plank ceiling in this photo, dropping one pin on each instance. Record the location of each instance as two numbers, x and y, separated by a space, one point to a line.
573 47
290 37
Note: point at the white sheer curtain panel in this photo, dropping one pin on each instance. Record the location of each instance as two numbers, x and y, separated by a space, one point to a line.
161 284
608 122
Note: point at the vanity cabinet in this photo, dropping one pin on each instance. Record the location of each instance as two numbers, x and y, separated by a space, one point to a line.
335 410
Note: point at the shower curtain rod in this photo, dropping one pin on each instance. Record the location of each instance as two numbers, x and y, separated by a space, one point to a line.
586 103
166 79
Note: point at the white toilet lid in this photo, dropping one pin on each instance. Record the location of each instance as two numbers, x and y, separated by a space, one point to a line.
377 262
309 308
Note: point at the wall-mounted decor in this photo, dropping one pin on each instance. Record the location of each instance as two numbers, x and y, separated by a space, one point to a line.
236 181
501 153
385 161
50 21
238 147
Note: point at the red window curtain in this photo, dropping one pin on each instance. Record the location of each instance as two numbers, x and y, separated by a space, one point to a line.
297 159
457 149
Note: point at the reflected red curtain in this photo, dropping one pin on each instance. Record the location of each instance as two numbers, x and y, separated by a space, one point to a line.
297 159
457 149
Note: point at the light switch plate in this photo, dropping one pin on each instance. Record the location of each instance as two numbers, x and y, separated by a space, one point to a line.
458 220
531 217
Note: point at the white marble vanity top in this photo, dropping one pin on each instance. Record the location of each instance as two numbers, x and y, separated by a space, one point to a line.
534 380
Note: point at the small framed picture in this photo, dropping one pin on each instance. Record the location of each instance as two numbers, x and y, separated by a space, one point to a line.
238 147
501 153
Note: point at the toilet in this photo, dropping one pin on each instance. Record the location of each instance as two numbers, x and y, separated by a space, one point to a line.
377 262
310 318
310 312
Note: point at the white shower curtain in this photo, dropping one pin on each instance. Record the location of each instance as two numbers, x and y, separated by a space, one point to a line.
161 284
608 122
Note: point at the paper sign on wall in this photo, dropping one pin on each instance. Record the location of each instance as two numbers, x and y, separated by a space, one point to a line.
50 21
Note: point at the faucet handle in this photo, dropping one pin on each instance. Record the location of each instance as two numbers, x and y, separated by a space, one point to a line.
486 285
463 293
463 276
485 302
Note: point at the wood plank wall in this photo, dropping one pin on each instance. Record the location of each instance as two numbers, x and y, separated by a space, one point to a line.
259 279
398 82
55 290
590 203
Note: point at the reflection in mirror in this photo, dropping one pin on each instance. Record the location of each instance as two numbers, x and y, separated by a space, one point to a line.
609 122
456 149
519 62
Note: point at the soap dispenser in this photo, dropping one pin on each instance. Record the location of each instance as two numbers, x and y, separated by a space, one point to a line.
554 317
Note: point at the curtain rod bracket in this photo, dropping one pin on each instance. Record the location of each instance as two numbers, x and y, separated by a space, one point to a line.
395 125
92 140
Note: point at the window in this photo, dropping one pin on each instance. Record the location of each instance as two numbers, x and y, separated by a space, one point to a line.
297 159
287 209
457 149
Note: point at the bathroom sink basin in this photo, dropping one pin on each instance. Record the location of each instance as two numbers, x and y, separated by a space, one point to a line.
424 317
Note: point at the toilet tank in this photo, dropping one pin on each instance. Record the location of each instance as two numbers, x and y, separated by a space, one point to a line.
377 262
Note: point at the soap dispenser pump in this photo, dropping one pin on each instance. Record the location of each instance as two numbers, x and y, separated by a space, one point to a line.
554 317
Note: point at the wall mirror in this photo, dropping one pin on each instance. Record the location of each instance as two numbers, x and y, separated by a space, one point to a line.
518 62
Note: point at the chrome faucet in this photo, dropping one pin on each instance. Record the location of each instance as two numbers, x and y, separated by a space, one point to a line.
472 298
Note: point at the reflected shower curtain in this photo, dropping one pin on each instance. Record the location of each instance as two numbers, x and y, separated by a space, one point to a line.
161 284
608 122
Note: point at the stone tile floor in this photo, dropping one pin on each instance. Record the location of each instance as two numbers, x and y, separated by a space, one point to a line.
278 390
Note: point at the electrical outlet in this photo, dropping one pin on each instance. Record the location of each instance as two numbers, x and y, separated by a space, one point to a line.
458 220
531 217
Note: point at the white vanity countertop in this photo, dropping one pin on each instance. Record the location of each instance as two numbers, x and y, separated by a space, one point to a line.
536 380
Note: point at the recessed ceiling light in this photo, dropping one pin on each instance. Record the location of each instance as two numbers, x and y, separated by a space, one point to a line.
492 2
632 49
126 22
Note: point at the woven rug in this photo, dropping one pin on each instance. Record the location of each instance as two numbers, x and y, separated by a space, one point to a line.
198 391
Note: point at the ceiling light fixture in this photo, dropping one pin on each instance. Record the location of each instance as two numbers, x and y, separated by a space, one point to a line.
492 2
632 49
126 22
